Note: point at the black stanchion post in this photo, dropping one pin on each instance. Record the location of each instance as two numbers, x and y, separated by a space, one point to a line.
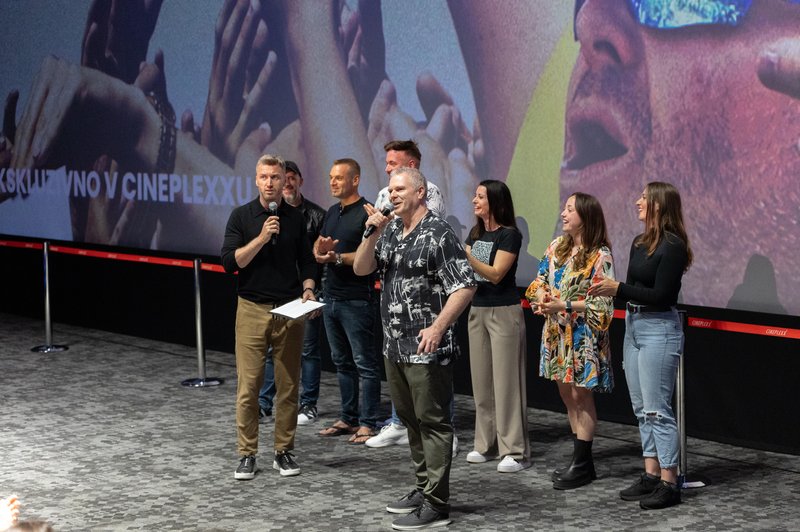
684 479
48 347
202 380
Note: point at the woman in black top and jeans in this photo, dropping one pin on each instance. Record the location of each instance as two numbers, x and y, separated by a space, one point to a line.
654 339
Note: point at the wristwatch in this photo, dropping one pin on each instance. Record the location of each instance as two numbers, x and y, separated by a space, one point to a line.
569 306
339 261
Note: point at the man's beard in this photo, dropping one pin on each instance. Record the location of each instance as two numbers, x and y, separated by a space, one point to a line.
745 246
695 153
291 197
745 235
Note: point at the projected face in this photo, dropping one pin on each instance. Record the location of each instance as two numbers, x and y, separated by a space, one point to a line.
686 106
270 180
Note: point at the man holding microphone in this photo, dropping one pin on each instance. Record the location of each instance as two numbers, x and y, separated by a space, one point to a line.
266 242
427 284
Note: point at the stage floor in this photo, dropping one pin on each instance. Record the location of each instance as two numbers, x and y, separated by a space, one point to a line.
104 437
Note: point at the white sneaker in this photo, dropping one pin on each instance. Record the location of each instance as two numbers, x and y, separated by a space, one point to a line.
474 457
307 415
455 445
513 465
390 434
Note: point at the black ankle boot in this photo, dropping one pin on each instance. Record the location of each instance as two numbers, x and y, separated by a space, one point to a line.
581 471
561 469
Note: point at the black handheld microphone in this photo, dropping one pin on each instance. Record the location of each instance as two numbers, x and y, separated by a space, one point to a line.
386 211
273 211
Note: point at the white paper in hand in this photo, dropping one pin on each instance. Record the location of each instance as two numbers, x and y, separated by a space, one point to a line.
295 309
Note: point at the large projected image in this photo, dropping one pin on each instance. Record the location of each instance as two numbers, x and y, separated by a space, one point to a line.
137 124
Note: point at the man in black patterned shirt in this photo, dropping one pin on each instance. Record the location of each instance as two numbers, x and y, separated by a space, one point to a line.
427 284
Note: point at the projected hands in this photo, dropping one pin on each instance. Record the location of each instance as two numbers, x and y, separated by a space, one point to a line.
447 146
242 79
100 118
117 35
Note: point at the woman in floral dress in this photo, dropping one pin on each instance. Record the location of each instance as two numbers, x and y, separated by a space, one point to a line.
575 351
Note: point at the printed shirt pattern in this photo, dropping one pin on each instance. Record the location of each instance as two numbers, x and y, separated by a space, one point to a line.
575 348
482 251
418 273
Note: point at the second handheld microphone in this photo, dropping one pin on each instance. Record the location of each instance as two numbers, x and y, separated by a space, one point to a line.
386 211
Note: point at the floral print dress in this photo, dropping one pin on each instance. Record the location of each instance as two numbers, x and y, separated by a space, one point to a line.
575 348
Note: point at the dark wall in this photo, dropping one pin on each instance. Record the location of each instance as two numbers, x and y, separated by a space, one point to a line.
738 387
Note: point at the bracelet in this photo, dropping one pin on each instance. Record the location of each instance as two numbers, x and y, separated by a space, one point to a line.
165 164
308 288
568 304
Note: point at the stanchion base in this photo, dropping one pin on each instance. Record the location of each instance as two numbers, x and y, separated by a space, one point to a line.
49 348
202 383
693 482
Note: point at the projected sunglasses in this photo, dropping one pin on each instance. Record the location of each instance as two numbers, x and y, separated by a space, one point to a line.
668 14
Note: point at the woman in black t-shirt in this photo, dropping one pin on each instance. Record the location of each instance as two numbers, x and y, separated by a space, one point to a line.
497 333
654 339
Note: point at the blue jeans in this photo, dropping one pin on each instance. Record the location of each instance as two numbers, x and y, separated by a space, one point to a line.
309 370
651 355
350 328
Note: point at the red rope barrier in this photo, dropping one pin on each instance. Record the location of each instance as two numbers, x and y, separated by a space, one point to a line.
700 323
113 255
720 325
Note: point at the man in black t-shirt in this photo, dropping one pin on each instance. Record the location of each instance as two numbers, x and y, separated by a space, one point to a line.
349 310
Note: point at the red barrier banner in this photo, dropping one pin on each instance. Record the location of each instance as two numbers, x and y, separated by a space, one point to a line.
700 323
112 255
121 256
19 244
719 325
762 330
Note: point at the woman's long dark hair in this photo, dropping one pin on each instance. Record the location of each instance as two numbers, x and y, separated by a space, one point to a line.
501 207
595 234
664 215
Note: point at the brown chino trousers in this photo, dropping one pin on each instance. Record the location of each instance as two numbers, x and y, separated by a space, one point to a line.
256 330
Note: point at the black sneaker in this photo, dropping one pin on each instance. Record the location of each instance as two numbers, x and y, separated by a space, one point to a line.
664 496
425 516
407 503
264 415
284 462
641 488
307 415
246 469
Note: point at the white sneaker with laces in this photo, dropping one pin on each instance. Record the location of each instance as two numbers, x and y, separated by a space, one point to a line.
474 457
513 465
390 434
307 415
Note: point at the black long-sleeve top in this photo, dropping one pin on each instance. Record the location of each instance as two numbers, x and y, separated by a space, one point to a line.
277 272
655 279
